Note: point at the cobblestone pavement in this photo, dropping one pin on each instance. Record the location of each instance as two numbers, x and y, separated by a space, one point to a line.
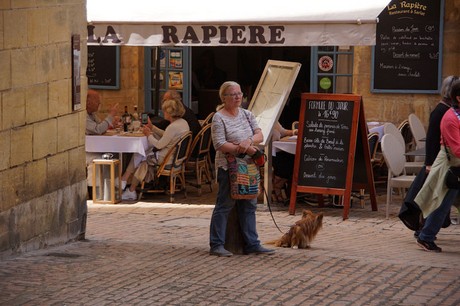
150 253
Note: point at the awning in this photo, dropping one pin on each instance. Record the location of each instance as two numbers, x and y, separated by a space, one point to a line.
233 23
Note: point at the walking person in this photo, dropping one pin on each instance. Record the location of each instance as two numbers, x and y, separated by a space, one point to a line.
435 199
410 214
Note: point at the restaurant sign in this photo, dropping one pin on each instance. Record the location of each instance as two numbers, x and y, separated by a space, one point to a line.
221 35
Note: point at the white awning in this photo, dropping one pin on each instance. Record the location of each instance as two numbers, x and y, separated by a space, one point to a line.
233 23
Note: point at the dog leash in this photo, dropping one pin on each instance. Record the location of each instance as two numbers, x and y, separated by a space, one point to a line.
271 213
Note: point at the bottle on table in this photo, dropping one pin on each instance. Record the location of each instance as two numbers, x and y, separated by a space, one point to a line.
136 120
135 114
126 118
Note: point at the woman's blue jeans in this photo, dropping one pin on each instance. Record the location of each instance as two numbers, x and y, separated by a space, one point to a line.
435 220
224 204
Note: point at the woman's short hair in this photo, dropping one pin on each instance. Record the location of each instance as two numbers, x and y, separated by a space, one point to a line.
446 86
173 108
222 90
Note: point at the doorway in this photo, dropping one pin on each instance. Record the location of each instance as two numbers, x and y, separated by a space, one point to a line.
211 66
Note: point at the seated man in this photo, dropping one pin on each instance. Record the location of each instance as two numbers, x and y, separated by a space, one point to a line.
96 126
189 115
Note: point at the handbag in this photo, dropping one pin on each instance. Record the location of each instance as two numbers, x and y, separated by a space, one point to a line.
410 213
453 178
244 177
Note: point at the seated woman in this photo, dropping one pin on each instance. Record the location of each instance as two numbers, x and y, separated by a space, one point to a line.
160 142
283 164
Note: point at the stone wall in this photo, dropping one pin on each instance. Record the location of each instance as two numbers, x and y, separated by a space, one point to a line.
397 107
42 152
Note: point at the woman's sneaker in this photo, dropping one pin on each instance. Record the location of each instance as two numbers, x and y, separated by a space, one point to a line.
429 246
129 195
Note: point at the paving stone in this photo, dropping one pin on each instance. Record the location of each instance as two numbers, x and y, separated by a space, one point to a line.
157 253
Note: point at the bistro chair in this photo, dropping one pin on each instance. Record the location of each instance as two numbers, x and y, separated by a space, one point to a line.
295 125
419 132
197 162
406 132
173 170
208 119
393 153
373 139
410 166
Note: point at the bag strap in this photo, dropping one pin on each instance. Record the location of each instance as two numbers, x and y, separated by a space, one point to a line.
445 148
249 121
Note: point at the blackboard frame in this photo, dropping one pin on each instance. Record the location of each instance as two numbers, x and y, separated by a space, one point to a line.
378 88
308 136
113 65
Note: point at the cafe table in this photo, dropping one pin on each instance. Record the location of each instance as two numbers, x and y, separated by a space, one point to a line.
118 143
286 144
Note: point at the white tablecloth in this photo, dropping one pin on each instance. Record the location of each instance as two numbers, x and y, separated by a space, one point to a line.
118 144
288 145
376 127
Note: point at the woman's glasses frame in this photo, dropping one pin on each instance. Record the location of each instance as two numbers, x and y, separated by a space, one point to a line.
234 95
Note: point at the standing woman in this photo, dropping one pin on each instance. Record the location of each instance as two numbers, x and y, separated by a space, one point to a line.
234 130
435 199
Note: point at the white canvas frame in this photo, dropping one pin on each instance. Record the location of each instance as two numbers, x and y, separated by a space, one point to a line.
271 94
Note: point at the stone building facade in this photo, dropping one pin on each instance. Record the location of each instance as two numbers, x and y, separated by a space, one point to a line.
397 107
381 107
42 149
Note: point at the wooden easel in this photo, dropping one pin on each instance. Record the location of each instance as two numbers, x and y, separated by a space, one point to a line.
328 159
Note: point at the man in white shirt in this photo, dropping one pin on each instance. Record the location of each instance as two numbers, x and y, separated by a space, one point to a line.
94 125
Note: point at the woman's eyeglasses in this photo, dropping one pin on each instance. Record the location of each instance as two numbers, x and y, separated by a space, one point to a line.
234 95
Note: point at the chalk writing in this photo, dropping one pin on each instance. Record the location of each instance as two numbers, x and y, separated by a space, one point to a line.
406 55
325 143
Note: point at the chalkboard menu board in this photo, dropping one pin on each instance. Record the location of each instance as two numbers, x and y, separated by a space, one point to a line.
331 143
408 47
325 143
103 69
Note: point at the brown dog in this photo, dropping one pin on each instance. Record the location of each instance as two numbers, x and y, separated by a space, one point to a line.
302 233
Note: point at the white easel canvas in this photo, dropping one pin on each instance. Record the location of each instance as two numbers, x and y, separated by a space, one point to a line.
271 94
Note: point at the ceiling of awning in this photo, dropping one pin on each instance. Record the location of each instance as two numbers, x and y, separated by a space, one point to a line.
234 23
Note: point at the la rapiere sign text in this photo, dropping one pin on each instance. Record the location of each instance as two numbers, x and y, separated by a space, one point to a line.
205 34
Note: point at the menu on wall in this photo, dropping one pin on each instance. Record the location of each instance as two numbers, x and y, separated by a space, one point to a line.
408 51
103 70
325 143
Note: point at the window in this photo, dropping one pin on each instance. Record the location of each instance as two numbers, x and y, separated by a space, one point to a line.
332 69
173 72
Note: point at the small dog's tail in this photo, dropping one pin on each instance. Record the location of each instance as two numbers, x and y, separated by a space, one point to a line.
273 242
